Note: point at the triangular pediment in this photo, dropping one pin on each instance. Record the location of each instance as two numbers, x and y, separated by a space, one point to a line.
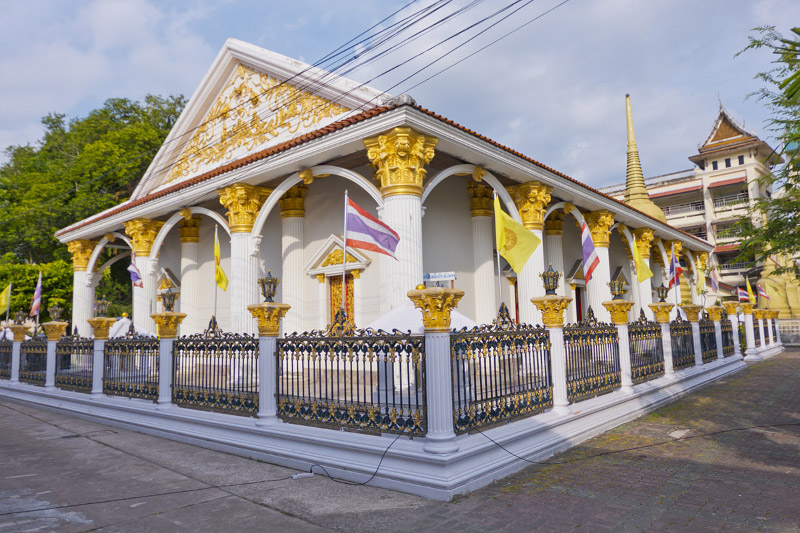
167 280
328 259
250 99
726 129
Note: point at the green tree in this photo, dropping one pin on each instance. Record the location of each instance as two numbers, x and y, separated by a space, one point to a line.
777 218
56 285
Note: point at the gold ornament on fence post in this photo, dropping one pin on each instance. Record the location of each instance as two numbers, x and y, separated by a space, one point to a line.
692 311
269 316
715 312
436 304
730 307
661 311
619 310
747 308
168 320
551 305
18 328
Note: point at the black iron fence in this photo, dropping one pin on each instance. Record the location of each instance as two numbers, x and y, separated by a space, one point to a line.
727 337
131 366
680 331
216 371
501 371
5 359
33 361
756 332
708 339
359 379
74 360
647 352
592 350
774 331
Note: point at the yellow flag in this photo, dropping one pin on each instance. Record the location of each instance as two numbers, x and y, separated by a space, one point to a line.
750 291
219 275
643 271
5 299
514 242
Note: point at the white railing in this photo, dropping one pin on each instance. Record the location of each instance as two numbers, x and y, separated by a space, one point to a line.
727 201
737 266
681 209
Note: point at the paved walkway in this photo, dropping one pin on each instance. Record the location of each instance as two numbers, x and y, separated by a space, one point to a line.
687 467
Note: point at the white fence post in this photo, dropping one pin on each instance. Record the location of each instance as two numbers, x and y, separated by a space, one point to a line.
693 315
268 315
619 310
730 310
100 326
552 308
661 314
167 323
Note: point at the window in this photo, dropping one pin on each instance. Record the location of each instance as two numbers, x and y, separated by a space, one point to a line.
714 165
741 160
727 162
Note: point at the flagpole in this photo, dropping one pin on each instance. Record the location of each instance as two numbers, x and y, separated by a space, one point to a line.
344 258
499 272
10 290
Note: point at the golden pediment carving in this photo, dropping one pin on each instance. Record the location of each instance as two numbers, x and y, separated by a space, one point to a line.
335 258
252 109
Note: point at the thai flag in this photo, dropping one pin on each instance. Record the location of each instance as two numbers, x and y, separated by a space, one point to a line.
368 233
590 258
675 270
762 292
36 304
742 294
136 276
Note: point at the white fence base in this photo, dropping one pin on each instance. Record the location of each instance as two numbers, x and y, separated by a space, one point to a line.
354 456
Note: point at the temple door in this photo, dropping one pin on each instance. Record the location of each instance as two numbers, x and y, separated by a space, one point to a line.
336 297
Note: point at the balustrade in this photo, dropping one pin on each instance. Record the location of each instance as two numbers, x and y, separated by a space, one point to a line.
682 343
592 350
647 354
74 364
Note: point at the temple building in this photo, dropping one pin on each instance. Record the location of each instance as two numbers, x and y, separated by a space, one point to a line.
263 154
706 201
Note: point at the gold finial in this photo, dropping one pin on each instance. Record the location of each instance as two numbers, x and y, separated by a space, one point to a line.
635 192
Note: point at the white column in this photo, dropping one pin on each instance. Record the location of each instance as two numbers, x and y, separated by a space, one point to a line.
718 336
486 301
761 332
440 437
778 330
645 292
698 348
144 297
402 213
15 354
97 367
267 405
164 373
750 337
292 271
190 288
666 346
529 284
554 255
769 332
597 288
558 362
626 380
737 348
82 302
242 283
50 369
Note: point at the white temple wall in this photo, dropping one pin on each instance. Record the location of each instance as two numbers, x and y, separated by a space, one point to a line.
205 274
269 253
169 257
324 205
447 240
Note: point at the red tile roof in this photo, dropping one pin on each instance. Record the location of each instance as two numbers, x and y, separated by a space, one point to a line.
726 248
731 181
676 191
302 139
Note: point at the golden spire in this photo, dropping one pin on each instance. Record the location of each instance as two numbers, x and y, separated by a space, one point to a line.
635 192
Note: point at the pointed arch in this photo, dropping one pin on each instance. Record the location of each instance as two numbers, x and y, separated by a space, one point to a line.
294 179
489 178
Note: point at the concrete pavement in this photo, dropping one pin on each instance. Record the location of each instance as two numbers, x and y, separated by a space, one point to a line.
725 457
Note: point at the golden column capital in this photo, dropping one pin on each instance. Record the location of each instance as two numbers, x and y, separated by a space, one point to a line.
715 312
619 310
531 199
661 311
730 307
100 326
747 308
81 251
399 157
600 223
293 203
269 315
436 304
692 311
552 309
189 227
54 330
167 323
143 232
678 249
644 238
480 199
758 314
554 224
19 331
243 201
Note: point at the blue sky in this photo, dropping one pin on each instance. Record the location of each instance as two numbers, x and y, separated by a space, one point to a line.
554 90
